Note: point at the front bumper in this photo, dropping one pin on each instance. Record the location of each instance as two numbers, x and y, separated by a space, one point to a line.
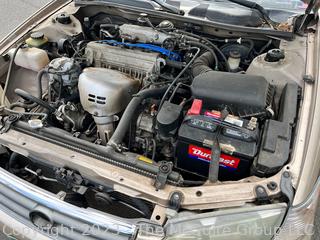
27 211
20 202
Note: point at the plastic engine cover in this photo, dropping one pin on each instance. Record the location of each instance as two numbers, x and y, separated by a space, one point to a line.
105 92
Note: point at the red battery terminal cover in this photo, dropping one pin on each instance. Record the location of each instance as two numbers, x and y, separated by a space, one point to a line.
196 107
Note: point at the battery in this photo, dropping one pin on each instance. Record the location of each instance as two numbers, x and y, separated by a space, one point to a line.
238 144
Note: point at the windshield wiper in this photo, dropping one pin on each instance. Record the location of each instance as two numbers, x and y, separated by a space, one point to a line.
168 7
259 8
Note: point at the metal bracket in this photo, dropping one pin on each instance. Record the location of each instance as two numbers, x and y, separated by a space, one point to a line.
164 171
71 180
11 119
286 186
262 195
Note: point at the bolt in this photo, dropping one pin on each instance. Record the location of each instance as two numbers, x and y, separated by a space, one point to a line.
39 172
165 167
286 174
272 186
176 196
260 189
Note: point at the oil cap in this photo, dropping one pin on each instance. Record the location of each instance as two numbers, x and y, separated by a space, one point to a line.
64 18
275 55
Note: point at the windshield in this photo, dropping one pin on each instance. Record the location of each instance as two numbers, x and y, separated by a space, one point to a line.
293 5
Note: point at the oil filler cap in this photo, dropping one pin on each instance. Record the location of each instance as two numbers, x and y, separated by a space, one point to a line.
275 55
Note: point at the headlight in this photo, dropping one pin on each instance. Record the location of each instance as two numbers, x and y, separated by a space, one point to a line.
250 223
300 219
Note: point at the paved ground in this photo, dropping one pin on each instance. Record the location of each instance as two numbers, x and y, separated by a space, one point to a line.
13 12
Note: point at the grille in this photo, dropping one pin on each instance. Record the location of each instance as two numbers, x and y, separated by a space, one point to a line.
97 99
22 200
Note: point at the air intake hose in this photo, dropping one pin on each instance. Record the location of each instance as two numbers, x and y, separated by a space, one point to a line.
202 64
128 114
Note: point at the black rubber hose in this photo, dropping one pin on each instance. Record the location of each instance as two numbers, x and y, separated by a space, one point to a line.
202 64
128 114
13 160
27 96
203 39
201 45
39 81
177 79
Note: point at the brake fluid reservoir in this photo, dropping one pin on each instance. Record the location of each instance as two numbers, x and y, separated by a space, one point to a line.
234 60
33 59
37 39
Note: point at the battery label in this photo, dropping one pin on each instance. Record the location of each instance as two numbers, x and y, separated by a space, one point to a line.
229 119
204 154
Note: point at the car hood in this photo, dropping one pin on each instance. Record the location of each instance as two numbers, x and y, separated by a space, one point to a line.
227 12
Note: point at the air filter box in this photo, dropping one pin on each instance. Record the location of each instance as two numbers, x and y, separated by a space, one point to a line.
243 94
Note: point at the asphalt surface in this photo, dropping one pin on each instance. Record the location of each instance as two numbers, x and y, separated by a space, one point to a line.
13 12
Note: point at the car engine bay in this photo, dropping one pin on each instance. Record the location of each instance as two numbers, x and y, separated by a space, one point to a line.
164 100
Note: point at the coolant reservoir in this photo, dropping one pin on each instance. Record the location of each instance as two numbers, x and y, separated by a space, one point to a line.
279 67
33 59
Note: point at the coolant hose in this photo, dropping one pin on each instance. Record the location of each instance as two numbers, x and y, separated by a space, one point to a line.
128 114
202 64
39 81
27 96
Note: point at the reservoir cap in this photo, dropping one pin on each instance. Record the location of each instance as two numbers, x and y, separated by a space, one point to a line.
37 35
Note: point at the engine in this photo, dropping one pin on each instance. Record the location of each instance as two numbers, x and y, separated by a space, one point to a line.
134 62
174 97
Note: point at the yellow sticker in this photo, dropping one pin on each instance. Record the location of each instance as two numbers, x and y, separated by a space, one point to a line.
145 159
